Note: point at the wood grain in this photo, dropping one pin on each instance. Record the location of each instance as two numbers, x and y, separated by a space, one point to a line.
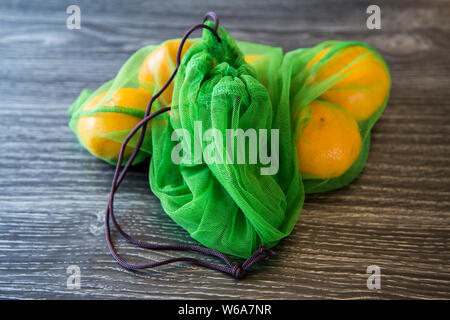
52 193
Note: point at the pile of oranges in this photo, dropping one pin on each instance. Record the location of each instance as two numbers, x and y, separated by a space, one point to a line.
328 137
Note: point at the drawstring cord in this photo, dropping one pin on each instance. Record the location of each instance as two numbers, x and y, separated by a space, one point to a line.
238 271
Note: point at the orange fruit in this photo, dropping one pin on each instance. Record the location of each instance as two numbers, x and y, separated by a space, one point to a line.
159 65
365 83
90 128
328 143
251 58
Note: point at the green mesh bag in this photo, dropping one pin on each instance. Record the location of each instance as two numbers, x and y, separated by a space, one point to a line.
230 207
347 77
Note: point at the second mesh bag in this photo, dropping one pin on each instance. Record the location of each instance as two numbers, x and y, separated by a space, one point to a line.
336 92
224 197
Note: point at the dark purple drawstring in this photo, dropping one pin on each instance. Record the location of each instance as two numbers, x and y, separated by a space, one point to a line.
238 271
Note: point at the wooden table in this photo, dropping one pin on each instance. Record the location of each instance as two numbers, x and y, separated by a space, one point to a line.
52 193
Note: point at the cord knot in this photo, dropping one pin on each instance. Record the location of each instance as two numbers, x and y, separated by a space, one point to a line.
237 271
265 252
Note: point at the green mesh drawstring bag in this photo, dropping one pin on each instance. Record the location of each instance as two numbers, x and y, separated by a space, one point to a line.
336 91
237 198
228 207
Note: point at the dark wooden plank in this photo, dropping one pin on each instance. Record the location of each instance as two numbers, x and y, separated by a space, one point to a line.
395 215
